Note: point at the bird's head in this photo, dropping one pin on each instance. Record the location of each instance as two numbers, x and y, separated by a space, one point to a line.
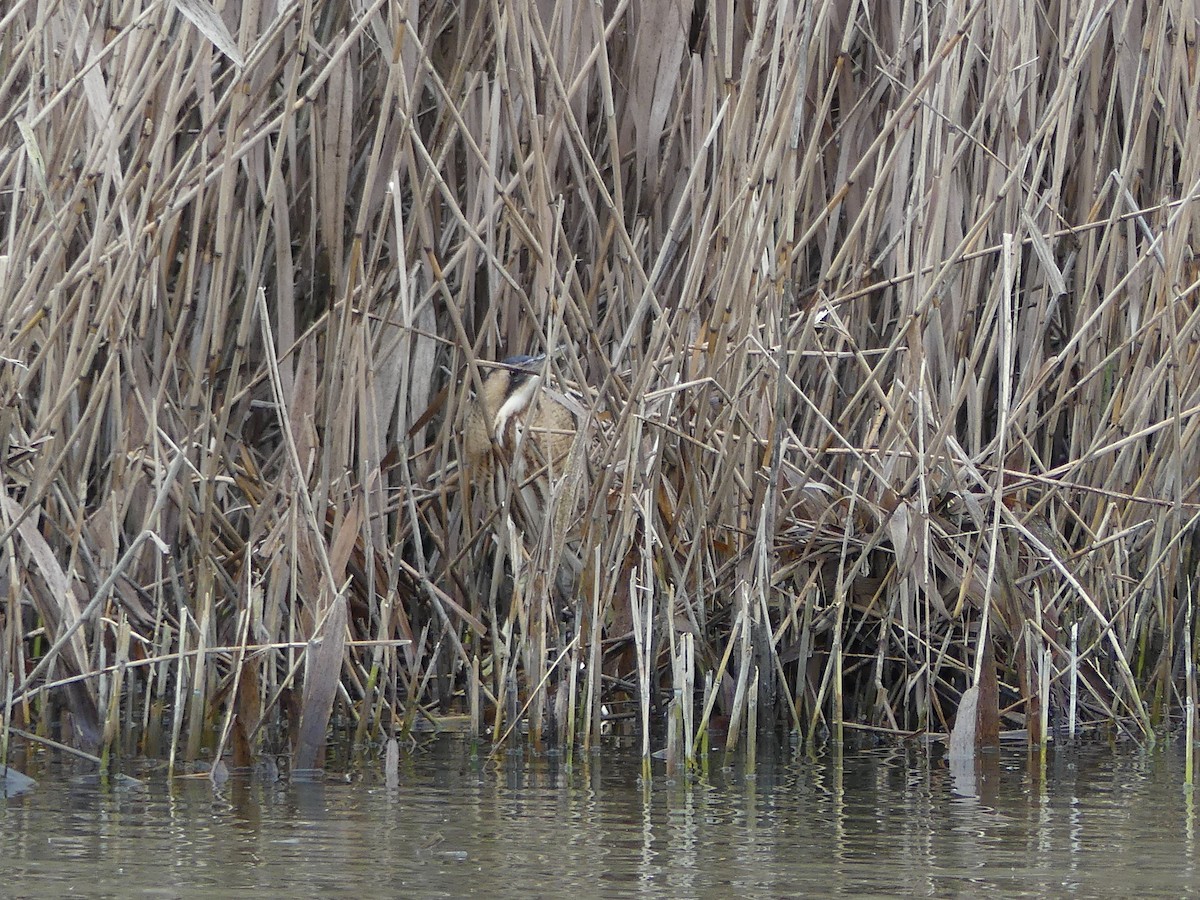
508 391
510 403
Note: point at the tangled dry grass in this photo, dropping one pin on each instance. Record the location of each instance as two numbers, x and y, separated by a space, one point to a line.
880 321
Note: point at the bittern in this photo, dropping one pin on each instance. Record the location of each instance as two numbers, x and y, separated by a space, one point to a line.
511 410
517 446
523 456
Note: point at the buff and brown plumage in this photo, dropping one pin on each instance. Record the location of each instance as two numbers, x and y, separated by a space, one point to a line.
525 466
512 410
518 443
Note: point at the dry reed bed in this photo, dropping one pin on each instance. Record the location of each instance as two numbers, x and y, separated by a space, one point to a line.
883 318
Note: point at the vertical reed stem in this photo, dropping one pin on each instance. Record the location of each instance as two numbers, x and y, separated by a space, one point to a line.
752 727
1190 705
1073 676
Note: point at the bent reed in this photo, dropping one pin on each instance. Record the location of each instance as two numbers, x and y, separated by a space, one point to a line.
877 324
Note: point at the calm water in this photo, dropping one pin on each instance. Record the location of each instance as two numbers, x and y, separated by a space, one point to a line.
1099 823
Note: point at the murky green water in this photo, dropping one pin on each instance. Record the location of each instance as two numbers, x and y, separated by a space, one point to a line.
1099 823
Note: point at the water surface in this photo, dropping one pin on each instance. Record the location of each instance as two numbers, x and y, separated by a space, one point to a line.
1096 822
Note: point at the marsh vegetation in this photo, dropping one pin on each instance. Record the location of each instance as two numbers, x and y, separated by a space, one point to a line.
877 325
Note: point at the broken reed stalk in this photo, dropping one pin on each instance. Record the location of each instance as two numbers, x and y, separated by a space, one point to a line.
674 727
688 698
680 723
890 332
1073 681
473 700
752 727
738 707
567 728
642 611
593 711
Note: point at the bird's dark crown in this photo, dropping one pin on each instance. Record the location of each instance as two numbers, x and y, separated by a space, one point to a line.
520 368
522 361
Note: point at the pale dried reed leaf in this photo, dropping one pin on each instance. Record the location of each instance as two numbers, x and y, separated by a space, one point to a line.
302 407
34 154
899 530
96 91
58 605
323 665
656 74
344 540
205 17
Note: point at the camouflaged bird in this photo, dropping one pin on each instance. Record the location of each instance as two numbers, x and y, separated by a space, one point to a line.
517 442
512 410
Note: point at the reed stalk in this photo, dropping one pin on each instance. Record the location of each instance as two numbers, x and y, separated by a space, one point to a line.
1189 730
752 727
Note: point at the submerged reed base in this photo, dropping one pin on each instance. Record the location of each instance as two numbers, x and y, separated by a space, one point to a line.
870 338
